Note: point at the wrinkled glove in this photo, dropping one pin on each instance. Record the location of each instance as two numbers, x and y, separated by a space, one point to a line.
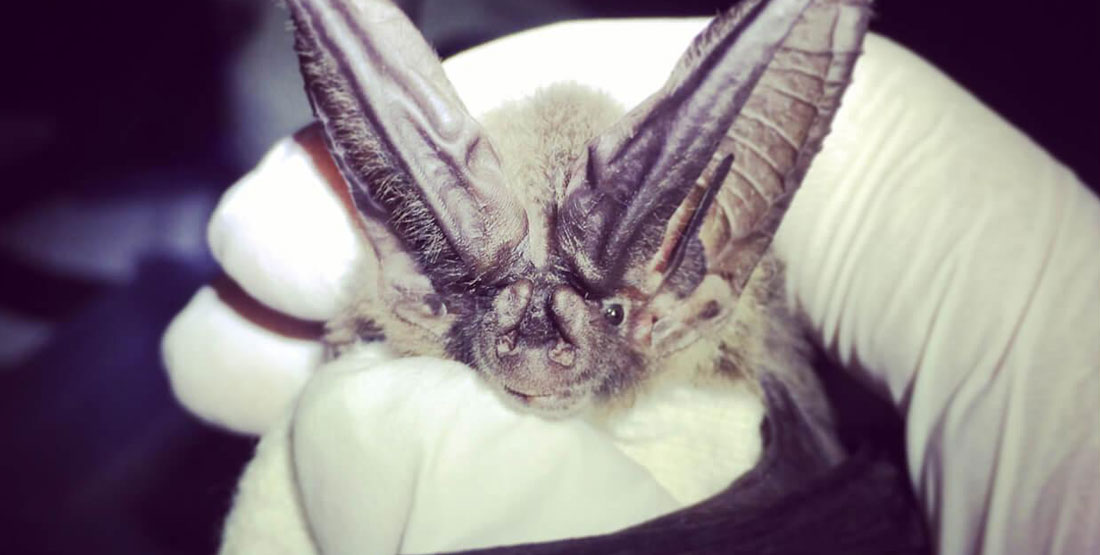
934 251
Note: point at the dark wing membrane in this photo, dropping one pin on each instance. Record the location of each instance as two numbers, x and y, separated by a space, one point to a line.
410 152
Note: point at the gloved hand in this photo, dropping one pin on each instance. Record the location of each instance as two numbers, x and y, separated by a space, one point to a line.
933 250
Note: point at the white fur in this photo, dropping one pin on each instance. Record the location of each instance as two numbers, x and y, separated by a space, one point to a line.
694 437
267 517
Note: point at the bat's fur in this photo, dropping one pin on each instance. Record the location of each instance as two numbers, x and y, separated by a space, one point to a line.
539 139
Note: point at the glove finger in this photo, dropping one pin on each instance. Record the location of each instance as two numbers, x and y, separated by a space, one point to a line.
236 363
945 257
628 69
284 233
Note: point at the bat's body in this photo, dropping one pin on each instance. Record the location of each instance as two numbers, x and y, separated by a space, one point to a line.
568 252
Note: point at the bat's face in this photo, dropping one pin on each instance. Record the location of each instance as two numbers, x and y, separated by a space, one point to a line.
568 258
549 339
549 344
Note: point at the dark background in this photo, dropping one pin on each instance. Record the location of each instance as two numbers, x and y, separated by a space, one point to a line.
143 112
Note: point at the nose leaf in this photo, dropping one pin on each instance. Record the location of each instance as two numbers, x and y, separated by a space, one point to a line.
511 303
569 312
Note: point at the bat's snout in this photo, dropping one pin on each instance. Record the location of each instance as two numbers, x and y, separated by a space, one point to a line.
544 378
537 353
560 354
542 317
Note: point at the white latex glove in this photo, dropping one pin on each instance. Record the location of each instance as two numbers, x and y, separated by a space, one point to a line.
934 250
419 456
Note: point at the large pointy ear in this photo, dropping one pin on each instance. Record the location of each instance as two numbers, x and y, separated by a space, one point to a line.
392 295
726 142
411 154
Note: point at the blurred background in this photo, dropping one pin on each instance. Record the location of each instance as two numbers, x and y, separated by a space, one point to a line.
121 123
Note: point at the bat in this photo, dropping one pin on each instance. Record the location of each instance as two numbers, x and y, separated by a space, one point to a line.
568 252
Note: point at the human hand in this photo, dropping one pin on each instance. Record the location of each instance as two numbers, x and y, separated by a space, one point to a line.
934 251
949 261
417 455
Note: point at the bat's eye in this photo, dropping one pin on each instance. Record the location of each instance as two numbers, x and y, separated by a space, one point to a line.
434 305
613 313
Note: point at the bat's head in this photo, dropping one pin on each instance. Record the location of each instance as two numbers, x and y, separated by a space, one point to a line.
569 259
547 342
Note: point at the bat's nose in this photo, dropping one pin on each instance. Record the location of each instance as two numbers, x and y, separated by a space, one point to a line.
555 358
537 329
506 344
540 322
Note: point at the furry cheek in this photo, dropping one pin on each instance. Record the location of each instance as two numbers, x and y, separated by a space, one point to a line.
641 328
